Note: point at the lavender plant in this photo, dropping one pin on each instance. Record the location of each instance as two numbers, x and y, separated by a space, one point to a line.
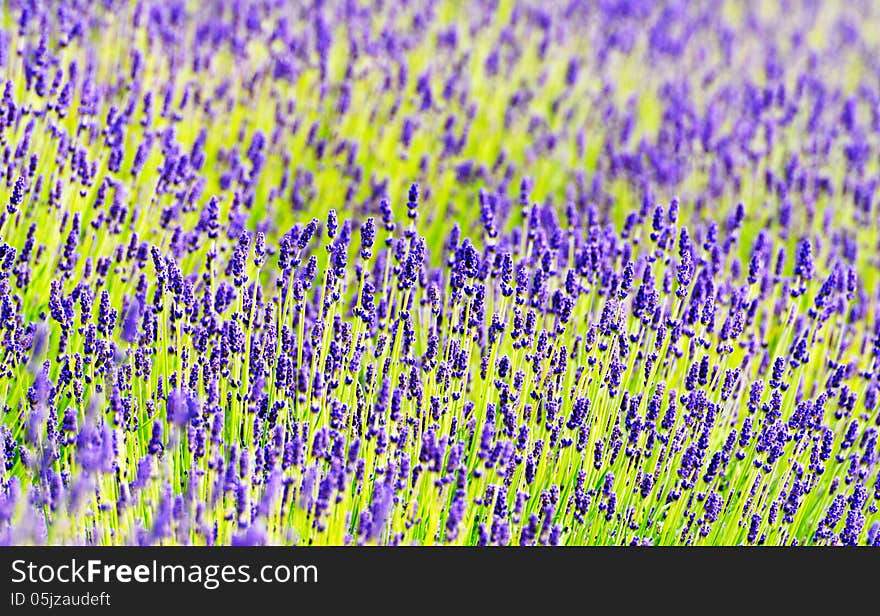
489 272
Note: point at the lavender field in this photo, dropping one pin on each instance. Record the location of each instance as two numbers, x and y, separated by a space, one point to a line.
489 272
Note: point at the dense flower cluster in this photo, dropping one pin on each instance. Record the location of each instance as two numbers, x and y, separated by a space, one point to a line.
490 272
